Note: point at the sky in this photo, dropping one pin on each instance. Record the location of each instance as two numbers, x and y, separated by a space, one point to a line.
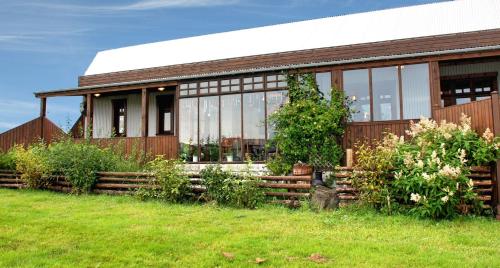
47 44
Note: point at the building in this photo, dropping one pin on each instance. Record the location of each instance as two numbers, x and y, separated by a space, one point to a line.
206 98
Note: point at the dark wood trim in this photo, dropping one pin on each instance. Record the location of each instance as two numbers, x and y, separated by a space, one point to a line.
43 114
468 76
435 86
400 85
370 92
144 112
89 116
495 109
160 100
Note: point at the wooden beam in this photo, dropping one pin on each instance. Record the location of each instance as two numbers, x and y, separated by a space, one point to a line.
89 116
495 109
144 118
435 86
43 114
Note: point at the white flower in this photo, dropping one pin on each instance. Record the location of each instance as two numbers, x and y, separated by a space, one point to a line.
470 183
462 156
465 123
420 164
398 175
408 160
450 172
447 136
426 176
443 150
487 135
445 198
415 197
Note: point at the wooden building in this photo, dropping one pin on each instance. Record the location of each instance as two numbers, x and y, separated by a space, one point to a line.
206 98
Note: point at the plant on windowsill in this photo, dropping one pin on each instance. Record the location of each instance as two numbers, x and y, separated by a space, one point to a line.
308 128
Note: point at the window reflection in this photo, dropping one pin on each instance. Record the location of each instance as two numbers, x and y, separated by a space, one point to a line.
324 82
188 129
231 127
416 91
275 99
209 128
356 87
385 86
253 125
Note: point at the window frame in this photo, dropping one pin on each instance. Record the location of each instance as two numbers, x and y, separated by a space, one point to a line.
160 105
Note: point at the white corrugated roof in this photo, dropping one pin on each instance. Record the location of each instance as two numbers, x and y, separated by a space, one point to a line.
384 25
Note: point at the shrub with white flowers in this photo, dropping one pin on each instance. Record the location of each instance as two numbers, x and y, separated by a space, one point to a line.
430 168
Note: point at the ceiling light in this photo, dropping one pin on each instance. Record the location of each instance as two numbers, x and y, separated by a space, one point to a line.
161 88
97 94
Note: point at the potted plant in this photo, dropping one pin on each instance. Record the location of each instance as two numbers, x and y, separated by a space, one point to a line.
302 169
229 157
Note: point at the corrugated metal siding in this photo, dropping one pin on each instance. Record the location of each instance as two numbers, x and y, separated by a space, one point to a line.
102 124
485 67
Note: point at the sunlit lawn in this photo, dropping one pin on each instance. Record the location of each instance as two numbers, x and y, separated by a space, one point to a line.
43 229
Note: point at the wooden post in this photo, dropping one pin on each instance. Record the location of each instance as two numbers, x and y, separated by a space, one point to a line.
144 118
435 86
43 114
495 109
89 116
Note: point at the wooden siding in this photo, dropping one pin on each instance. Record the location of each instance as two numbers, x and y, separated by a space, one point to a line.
371 131
479 111
29 133
387 48
162 145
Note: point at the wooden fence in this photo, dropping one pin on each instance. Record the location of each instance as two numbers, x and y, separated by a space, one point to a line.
281 189
480 112
29 133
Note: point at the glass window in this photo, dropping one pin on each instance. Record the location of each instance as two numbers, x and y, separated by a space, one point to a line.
188 129
324 82
416 91
250 83
165 104
119 118
275 99
356 87
209 129
231 127
276 81
463 100
385 90
230 85
253 125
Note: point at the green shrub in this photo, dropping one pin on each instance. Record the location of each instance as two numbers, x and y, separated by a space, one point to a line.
309 127
79 162
226 188
8 160
169 183
32 164
430 169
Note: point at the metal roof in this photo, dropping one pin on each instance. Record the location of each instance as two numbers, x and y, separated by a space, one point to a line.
392 24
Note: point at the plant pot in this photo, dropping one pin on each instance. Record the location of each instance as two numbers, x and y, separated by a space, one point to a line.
229 158
302 170
195 158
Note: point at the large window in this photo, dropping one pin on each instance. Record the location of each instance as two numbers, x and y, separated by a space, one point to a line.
188 129
254 134
357 88
230 108
382 91
209 128
119 118
463 89
324 82
275 100
165 105
416 91
385 91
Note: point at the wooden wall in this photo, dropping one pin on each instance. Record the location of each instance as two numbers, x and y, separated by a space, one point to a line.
370 131
29 133
479 111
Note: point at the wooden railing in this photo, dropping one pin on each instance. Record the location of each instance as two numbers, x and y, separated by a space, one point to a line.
480 113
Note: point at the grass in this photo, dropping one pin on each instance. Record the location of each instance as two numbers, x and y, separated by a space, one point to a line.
44 229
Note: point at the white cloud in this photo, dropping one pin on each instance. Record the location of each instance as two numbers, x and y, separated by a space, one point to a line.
156 4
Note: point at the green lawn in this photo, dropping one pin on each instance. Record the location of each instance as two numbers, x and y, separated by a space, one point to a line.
43 229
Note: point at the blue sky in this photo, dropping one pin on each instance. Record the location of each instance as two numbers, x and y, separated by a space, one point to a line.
47 44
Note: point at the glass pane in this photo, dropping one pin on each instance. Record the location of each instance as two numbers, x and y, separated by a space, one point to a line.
184 86
235 88
416 91
282 84
224 89
247 80
324 82
224 82
482 98
275 99
188 129
231 128
258 86
121 124
204 91
385 85
167 122
213 90
192 85
258 79
271 85
235 81
356 87
204 84
213 83
253 125
183 93
248 87
209 128
281 77
463 100
192 92
271 78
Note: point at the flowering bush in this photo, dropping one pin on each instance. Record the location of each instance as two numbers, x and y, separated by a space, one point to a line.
431 168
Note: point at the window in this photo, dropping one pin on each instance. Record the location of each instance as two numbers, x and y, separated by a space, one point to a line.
230 85
165 104
324 82
357 88
253 83
231 127
466 88
119 118
209 128
385 91
254 136
276 81
188 129
416 91
275 100
209 87
188 89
